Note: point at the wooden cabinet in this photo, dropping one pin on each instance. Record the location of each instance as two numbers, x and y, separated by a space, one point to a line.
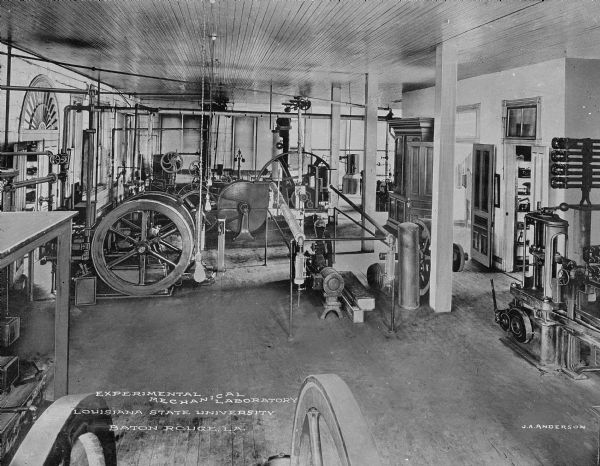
413 170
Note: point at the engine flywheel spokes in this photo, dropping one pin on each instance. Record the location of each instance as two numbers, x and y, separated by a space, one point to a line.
144 245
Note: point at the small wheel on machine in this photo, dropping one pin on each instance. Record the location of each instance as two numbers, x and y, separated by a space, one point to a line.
504 320
520 325
458 258
424 255
329 428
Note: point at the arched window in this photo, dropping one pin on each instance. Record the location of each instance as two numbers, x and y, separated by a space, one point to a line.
40 108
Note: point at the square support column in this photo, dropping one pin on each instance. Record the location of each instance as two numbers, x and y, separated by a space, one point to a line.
440 294
369 165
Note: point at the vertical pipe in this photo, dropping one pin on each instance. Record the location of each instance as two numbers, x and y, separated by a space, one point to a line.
255 148
99 124
160 134
290 322
334 141
220 245
266 233
126 149
300 145
408 264
7 108
392 328
88 153
391 274
114 184
99 140
30 272
135 136
333 243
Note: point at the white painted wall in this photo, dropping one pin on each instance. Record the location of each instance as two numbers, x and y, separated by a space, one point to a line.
546 80
22 74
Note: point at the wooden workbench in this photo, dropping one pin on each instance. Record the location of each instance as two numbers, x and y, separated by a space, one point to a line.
21 233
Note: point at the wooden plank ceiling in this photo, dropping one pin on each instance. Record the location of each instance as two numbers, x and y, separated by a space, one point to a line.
300 47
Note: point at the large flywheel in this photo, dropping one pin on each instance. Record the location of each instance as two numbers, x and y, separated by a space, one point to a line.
74 431
329 428
243 205
144 245
291 168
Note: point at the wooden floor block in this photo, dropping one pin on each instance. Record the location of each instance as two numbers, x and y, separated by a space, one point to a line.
357 293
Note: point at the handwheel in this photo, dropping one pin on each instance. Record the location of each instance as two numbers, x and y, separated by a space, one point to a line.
329 428
424 255
68 434
144 245
171 162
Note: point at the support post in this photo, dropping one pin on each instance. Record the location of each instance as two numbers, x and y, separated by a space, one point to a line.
443 182
61 320
370 153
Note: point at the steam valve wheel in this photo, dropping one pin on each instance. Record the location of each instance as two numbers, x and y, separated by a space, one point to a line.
144 245
171 162
329 428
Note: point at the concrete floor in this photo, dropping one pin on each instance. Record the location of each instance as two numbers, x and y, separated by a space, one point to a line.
442 391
